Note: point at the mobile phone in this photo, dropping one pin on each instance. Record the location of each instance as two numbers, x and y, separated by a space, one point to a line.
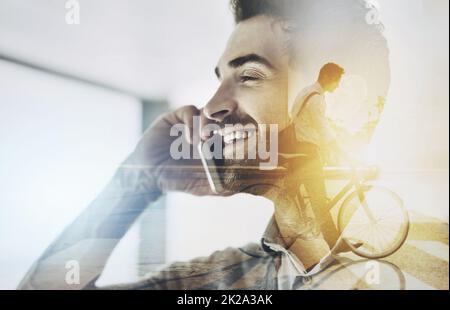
211 169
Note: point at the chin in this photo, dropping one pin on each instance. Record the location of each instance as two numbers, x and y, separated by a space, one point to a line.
245 176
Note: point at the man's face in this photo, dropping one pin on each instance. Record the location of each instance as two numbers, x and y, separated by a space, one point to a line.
253 74
333 86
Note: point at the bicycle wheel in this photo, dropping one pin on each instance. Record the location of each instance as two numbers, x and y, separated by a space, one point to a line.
373 222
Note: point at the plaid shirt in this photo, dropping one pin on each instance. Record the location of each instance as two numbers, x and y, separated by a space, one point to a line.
264 266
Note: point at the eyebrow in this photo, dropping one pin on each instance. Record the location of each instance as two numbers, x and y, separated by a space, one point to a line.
242 60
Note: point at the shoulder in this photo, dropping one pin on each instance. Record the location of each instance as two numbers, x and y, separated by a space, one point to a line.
316 101
302 97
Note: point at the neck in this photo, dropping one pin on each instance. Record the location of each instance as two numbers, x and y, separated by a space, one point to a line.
322 85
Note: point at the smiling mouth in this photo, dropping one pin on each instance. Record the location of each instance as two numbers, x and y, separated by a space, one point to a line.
232 135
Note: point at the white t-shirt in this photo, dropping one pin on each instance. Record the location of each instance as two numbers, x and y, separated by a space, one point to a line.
311 124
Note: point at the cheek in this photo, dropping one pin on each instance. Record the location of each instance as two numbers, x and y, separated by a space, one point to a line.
276 113
267 106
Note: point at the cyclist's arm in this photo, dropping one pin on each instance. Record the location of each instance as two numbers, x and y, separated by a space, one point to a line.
87 243
317 111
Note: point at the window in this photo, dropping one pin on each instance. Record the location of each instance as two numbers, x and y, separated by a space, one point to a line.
61 141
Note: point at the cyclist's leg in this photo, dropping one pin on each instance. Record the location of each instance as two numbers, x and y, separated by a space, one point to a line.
315 186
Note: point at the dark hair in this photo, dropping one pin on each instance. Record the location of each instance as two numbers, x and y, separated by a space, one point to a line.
330 72
246 9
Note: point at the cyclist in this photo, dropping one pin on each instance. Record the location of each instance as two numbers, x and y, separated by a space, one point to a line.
310 135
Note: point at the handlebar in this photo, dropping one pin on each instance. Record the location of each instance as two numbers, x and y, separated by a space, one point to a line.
339 173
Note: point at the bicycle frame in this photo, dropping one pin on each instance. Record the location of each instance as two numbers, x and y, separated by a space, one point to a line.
354 192
342 193
356 182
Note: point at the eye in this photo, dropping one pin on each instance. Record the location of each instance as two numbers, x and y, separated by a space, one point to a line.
245 78
251 75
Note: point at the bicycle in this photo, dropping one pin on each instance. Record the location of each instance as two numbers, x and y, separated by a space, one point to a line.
372 220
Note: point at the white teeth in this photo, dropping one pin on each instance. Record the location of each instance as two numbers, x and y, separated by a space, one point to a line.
230 137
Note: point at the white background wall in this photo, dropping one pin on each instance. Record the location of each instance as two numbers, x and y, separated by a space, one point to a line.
59 144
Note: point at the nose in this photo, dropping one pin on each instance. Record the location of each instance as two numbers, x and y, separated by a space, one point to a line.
220 107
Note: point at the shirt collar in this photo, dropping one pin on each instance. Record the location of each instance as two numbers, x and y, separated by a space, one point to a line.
273 243
272 236
318 88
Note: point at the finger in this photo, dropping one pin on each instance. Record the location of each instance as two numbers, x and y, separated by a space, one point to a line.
186 116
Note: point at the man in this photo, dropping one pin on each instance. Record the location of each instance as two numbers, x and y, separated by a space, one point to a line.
254 73
315 139
308 114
